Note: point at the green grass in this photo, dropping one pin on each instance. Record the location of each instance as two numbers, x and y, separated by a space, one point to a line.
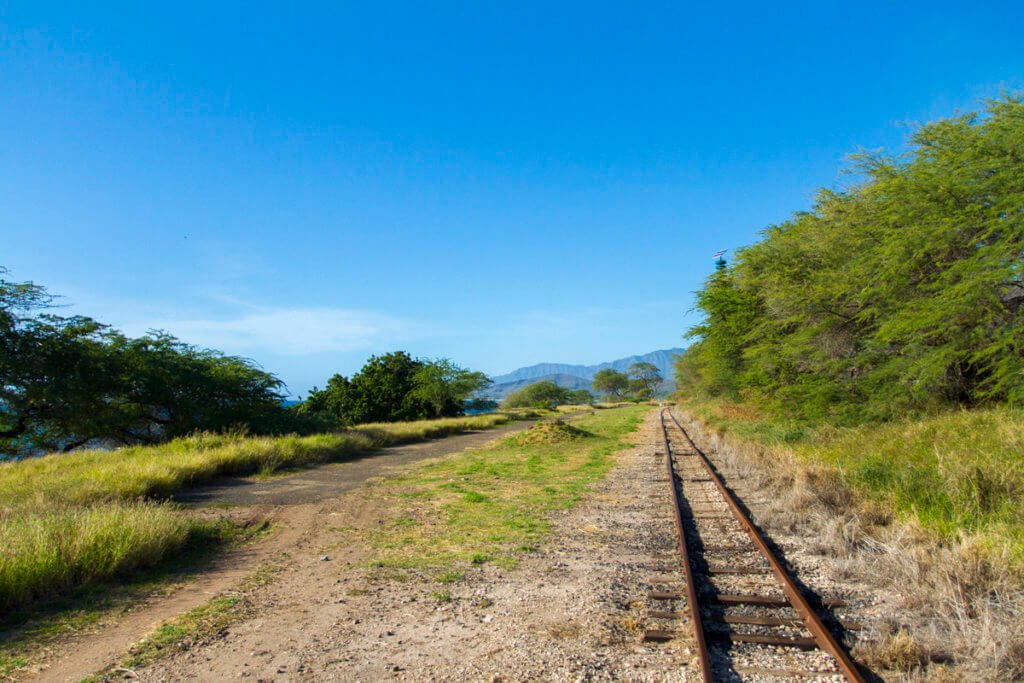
72 519
28 631
957 474
84 477
490 505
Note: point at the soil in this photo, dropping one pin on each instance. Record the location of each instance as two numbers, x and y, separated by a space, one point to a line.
576 609
296 507
327 481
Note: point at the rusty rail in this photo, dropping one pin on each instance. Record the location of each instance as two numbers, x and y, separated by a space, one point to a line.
691 585
822 636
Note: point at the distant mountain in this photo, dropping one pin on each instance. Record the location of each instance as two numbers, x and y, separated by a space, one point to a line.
580 376
500 391
660 359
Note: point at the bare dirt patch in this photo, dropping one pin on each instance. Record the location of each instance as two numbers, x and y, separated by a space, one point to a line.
299 508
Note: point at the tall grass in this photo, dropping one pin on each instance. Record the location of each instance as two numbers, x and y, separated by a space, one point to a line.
85 477
958 474
74 518
48 552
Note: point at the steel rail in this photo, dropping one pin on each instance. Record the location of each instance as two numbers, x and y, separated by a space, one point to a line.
691 585
824 638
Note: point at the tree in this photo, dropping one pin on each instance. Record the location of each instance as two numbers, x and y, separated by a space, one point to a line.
644 379
903 293
391 388
538 395
580 397
610 382
382 391
66 382
446 386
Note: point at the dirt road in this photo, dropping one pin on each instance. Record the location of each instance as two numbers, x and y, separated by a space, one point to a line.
297 505
329 481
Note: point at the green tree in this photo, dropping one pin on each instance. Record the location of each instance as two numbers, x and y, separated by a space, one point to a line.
66 382
580 397
538 395
382 391
644 379
446 386
903 293
610 382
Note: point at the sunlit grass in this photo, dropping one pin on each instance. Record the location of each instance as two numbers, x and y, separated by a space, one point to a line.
957 474
491 505
74 518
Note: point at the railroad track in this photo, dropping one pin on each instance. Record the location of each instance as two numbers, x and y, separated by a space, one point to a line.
747 615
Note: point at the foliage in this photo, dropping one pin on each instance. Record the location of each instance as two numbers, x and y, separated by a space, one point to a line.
580 397
391 388
610 382
544 394
70 381
382 391
904 293
644 379
446 386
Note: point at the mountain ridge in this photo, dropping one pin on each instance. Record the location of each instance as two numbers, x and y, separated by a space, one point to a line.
662 359
579 376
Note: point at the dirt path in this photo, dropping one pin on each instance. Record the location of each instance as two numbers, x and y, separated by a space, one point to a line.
328 481
298 506
573 610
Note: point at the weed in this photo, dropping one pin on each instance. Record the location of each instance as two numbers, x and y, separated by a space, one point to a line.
490 505
450 576
442 596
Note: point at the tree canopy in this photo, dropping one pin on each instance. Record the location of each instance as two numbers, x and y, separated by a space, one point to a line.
70 381
644 379
610 382
394 387
544 394
902 293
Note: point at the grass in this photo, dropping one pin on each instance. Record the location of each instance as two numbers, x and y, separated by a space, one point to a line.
85 477
490 505
957 475
27 632
73 519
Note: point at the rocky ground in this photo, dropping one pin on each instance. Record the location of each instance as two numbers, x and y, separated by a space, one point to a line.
574 610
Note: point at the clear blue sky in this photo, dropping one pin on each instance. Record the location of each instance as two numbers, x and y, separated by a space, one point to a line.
499 183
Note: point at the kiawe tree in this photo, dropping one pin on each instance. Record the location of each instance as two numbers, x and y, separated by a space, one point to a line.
69 381
644 379
445 386
610 382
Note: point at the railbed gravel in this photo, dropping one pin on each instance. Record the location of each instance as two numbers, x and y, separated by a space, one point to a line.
574 610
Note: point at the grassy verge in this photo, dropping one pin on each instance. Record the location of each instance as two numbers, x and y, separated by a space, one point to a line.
27 632
73 519
490 504
957 475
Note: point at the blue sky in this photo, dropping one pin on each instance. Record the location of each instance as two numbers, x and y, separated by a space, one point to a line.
499 183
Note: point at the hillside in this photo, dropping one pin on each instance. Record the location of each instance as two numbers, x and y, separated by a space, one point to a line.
500 391
580 376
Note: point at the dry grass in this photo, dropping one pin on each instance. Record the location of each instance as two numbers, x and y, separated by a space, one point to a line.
949 607
548 432
74 518
490 505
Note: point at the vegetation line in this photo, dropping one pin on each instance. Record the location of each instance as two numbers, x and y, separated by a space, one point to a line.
70 519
